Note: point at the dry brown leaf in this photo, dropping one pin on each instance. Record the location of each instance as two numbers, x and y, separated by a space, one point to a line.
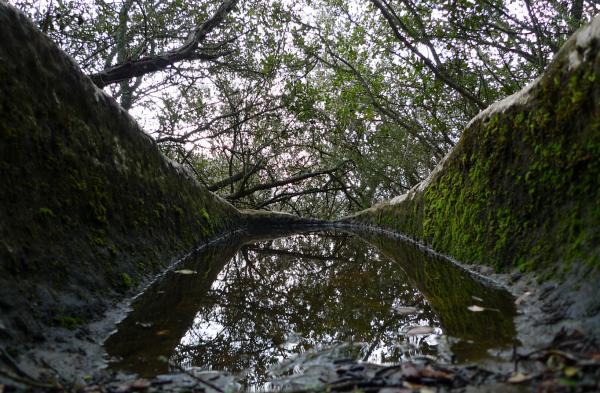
141 384
419 330
428 372
521 298
163 332
518 378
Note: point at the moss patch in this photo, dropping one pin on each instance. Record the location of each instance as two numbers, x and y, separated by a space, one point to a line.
522 186
85 194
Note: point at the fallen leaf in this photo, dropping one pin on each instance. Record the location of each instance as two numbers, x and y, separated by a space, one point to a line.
419 330
395 390
122 388
141 384
521 298
412 386
163 332
409 370
185 271
428 372
518 378
475 308
571 372
405 310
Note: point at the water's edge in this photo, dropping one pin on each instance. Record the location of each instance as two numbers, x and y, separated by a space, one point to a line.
77 355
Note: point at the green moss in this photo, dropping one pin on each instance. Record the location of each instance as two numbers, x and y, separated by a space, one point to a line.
113 249
125 281
59 154
45 213
178 211
97 237
159 210
204 215
69 322
522 187
205 223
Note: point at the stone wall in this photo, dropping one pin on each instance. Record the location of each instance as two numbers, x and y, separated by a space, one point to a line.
521 189
89 207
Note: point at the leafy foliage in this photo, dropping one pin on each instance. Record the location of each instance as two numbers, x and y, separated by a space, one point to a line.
318 107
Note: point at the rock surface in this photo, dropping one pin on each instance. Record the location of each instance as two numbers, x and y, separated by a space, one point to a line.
89 207
521 189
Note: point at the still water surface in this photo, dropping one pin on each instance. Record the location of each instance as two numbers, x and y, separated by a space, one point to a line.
248 305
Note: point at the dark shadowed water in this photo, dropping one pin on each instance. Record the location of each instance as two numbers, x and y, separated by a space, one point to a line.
248 305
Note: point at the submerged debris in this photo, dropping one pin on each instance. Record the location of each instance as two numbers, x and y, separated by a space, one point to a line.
571 363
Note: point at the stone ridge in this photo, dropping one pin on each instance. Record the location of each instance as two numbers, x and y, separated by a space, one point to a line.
89 207
521 189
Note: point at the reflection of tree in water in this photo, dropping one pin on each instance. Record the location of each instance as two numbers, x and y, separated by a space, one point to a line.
286 296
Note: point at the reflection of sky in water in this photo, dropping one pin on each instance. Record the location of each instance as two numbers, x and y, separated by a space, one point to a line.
304 300
382 340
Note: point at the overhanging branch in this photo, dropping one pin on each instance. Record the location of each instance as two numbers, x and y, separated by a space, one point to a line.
187 51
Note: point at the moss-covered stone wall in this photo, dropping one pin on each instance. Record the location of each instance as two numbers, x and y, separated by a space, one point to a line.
88 204
522 186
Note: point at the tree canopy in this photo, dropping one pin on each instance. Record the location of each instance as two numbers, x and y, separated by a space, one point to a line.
316 107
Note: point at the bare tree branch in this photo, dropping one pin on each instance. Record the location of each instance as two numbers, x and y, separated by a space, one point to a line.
149 64
279 183
394 23
236 177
